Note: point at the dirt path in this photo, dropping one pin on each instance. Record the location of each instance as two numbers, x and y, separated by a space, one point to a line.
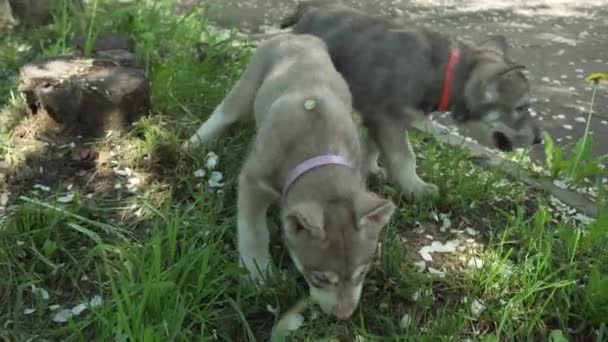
560 41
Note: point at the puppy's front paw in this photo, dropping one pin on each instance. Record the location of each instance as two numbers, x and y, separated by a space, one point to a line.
418 190
258 269
425 191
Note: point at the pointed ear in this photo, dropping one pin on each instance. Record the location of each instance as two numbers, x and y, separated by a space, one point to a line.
496 43
373 212
305 217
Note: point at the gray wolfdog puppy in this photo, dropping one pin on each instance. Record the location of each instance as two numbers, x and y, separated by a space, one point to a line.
397 74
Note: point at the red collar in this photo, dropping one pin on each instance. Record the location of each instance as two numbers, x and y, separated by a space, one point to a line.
447 81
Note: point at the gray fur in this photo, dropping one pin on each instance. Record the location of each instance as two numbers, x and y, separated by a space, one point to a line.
396 75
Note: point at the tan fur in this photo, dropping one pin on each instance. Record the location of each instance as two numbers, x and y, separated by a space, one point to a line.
6 15
330 221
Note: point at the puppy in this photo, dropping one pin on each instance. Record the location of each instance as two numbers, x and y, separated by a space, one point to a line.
306 155
397 74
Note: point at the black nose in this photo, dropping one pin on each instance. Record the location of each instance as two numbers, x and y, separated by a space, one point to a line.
537 140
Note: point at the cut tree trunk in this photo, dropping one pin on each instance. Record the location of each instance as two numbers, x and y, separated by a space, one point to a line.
87 97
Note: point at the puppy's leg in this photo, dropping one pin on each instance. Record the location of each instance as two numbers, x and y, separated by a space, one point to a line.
400 158
252 230
236 104
370 162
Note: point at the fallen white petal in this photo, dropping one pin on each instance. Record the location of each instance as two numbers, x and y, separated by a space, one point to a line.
54 307
405 322
477 307
212 160
78 309
425 253
29 311
416 296
215 179
68 198
560 184
580 119
62 315
95 301
475 262
120 172
200 173
436 272
421 265
583 218
447 223
568 127
42 187
40 291
133 181
471 231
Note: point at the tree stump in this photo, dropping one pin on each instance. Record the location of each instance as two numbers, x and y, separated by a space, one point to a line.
86 97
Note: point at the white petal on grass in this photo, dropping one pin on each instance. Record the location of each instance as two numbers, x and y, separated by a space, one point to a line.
568 127
54 307
471 231
436 272
475 262
477 307
44 294
78 309
580 119
560 184
416 295
447 247
120 172
42 187
425 253
29 311
445 224
421 265
291 321
62 315
67 198
583 218
215 180
4 199
200 173
406 321
95 301
212 161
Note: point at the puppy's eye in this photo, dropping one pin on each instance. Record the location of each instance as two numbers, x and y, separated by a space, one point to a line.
319 279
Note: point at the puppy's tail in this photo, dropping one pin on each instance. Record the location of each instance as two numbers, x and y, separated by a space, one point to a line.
302 7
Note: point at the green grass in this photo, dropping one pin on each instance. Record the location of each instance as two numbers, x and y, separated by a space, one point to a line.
163 258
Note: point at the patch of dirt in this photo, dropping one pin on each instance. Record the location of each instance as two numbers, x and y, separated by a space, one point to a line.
51 169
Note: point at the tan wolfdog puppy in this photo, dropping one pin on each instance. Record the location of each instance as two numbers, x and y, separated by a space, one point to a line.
307 156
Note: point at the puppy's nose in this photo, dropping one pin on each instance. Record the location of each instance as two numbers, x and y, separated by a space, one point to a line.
343 313
537 140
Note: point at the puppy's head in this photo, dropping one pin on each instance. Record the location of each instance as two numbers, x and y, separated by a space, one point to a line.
495 106
333 245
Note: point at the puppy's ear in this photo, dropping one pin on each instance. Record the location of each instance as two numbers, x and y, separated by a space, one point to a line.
373 212
496 43
303 218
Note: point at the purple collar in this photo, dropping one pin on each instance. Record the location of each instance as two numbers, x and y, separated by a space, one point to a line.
312 163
